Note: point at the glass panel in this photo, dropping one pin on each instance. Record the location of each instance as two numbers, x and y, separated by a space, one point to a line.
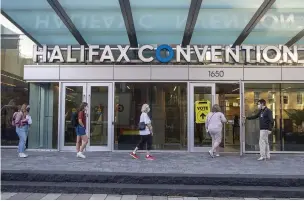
99 22
44 113
202 95
228 98
73 99
293 117
271 94
14 93
282 22
168 103
99 116
39 20
14 90
221 21
160 22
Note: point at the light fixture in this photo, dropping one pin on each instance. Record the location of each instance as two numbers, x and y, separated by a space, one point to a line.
174 88
128 87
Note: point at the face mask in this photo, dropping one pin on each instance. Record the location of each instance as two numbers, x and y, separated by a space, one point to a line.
259 106
148 110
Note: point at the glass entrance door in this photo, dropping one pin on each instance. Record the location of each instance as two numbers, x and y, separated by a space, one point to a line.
99 115
201 99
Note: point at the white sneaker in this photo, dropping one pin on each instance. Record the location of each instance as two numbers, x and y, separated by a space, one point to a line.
22 155
261 159
211 154
217 155
268 157
80 155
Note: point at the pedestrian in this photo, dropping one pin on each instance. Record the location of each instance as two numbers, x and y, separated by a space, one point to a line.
214 126
146 133
21 123
266 124
80 126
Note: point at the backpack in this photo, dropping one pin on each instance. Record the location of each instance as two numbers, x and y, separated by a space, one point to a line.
74 119
14 119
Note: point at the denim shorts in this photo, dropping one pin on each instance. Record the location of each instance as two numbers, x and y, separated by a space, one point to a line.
80 131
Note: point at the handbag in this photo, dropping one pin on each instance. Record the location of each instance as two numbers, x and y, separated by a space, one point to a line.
141 126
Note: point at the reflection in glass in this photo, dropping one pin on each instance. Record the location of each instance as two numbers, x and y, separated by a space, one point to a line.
99 116
73 99
293 118
168 103
201 138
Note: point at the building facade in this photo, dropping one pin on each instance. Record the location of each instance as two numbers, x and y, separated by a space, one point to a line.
179 82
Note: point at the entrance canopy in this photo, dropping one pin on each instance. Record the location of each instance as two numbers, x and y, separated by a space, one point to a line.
138 22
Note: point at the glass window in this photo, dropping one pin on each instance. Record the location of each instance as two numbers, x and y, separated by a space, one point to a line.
293 118
168 103
288 112
44 112
252 131
14 90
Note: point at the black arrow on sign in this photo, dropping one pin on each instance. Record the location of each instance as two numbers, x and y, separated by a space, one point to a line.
202 116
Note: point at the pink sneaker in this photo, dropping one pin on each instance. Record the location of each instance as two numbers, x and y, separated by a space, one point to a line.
134 155
150 158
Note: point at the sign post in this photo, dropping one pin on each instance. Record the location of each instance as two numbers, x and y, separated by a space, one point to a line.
202 108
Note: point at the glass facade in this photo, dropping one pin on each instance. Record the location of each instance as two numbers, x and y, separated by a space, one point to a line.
286 103
168 103
14 90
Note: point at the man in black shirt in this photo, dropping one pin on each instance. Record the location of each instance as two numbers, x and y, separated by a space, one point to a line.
266 125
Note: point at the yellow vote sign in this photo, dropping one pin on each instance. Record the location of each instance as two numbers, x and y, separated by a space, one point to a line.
202 108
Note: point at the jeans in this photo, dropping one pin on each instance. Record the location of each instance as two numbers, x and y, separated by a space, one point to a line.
22 134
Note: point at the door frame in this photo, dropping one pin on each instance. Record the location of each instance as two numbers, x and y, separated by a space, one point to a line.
191 120
86 96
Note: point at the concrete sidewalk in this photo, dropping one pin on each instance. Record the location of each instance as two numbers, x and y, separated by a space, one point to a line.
183 163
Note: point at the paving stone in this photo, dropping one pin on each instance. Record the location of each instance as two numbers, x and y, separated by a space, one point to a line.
113 197
206 198
5 196
251 198
129 197
36 196
181 162
51 196
19 196
175 198
143 197
236 198
160 197
190 198
98 197
82 197
219 198
66 197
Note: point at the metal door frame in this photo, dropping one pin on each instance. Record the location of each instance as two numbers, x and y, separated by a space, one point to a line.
191 112
86 97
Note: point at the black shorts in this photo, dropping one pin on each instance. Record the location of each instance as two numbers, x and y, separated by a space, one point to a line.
145 139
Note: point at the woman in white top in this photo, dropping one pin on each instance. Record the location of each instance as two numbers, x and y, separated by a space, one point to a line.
214 125
146 133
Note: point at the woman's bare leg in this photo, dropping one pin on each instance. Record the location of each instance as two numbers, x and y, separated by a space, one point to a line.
78 143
